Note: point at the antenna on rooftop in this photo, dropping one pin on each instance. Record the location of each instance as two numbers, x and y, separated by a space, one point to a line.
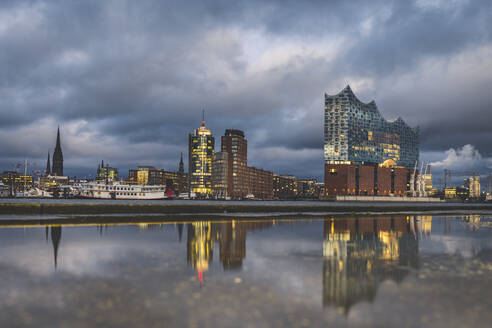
203 117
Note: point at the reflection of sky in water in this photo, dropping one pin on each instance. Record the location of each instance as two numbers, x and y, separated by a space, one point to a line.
329 270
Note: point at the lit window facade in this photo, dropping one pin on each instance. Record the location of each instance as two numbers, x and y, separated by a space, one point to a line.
220 175
201 153
356 133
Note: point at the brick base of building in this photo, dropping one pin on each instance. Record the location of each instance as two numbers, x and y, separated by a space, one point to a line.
365 180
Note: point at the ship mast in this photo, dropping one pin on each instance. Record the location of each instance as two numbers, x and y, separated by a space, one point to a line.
25 176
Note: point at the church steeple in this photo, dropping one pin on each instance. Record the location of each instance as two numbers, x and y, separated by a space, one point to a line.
58 139
57 157
48 165
181 165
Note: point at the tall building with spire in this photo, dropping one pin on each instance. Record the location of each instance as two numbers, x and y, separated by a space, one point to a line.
181 165
57 157
182 178
48 165
201 144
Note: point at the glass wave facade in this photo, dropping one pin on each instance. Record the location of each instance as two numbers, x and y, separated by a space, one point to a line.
356 133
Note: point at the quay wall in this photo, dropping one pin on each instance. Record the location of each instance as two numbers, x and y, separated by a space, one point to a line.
388 199
180 209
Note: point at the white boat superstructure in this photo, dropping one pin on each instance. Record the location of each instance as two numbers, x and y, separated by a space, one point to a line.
117 190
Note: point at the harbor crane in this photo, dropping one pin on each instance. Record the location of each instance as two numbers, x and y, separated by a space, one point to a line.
448 175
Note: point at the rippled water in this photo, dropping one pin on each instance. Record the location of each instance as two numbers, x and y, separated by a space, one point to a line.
366 271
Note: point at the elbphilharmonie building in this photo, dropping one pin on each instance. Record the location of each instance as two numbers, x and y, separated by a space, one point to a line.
356 133
364 153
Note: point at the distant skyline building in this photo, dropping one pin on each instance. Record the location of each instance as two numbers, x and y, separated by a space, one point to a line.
473 185
284 186
146 175
57 157
182 178
106 173
356 133
201 152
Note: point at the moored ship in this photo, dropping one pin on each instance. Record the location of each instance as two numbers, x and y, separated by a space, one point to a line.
116 190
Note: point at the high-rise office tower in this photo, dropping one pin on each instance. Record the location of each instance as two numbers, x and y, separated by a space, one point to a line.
201 144
234 143
219 175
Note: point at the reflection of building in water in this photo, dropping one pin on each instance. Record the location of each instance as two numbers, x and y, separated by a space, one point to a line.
180 231
420 225
473 221
55 240
200 246
232 245
360 253
231 237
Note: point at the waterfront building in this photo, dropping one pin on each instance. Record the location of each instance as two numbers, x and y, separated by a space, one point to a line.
106 173
52 182
235 145
146 175
284 186
260 183
365 154
4 191
244 181
16 182
151 176
57 169
309 189
450 192
201 144
220 175
473 186
385 179
428 183
175 181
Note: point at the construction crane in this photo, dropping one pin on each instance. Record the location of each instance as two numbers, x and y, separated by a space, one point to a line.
448 174
413 176
488 188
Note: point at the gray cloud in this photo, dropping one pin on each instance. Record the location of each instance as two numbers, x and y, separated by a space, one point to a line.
127 80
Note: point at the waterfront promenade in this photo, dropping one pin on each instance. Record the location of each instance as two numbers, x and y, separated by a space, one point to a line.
40 207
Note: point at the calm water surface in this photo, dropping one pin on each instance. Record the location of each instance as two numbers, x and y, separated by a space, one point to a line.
369 271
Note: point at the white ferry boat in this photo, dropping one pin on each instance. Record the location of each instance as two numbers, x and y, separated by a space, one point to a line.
117 190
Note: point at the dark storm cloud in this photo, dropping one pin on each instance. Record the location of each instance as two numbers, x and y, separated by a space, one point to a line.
128 79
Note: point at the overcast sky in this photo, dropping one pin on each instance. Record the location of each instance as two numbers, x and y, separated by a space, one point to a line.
127 80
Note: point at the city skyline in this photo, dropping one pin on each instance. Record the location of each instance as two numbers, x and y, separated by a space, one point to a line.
130 90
